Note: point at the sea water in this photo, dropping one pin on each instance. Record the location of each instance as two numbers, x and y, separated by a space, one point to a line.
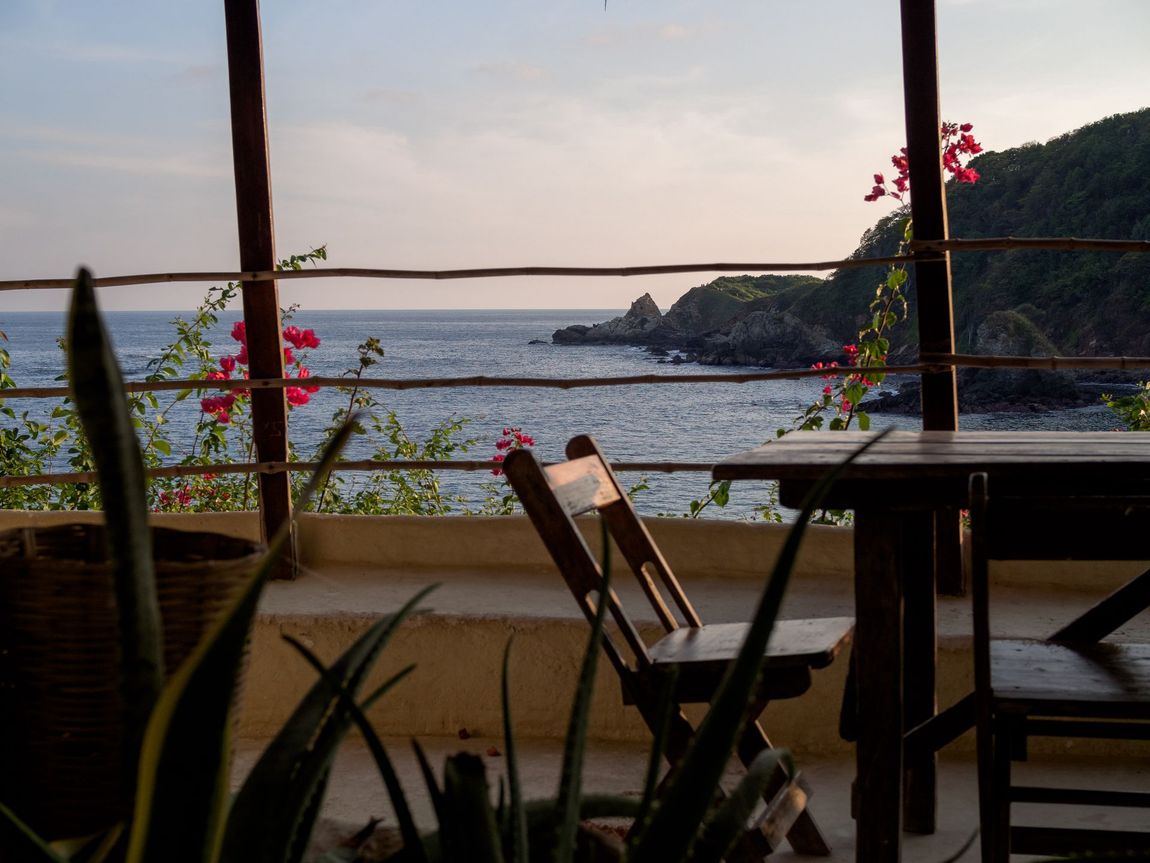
658 422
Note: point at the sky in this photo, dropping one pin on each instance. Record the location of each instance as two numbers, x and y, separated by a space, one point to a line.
506 133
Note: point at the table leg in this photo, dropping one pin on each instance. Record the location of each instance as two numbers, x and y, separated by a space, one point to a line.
878 653
920 653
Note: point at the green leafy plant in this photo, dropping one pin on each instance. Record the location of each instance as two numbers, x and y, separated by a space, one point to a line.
180 767
1134 409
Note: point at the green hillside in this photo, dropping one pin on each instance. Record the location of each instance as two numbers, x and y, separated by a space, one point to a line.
1093 182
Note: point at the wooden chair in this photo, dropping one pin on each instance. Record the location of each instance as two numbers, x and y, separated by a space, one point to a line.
552 496
1070 685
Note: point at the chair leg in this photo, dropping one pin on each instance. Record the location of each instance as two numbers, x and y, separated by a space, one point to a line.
986 821
1000 791
805 836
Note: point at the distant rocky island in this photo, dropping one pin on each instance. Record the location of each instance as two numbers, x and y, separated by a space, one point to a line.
1094 182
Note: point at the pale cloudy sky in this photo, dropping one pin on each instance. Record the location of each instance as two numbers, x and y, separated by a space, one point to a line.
468 134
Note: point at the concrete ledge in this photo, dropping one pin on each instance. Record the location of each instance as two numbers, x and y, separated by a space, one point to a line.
496 581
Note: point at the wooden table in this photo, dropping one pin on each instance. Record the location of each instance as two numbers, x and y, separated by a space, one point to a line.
894 489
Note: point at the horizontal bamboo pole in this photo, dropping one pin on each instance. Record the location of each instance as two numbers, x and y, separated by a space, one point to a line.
923 250
274 467
1008 362
471 273
1058 244
931 362
474 381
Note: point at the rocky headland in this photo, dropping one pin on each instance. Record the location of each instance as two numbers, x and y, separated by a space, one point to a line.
1094 182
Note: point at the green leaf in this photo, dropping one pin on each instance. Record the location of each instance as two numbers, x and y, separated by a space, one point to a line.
162 446
411 840
863 419
20 841
724 828
470 827
517 816
571 777
184 765
98 390
274 808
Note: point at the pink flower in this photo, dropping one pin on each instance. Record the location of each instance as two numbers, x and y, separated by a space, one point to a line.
503 443
497 458
239 332
300 338
242 356
826 391
228 364
216 376
288 358
296 397
304 372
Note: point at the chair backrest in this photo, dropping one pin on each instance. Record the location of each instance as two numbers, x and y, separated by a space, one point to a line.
1047 529
553 495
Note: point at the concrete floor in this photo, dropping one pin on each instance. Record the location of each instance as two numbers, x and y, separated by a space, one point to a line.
356 792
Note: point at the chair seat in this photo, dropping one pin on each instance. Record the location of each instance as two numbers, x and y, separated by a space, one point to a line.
1104 680
811 643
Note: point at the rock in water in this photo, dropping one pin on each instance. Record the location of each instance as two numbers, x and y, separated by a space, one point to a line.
640 326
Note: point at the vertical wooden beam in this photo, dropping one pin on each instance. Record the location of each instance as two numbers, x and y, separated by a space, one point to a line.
257 252
932 278
928 205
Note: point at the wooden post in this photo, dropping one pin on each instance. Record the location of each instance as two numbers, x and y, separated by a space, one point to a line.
928 205
257 252
932 278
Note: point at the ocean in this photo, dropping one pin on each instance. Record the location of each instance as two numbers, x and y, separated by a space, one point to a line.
667 422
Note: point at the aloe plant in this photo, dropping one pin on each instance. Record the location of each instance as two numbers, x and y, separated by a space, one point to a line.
180 770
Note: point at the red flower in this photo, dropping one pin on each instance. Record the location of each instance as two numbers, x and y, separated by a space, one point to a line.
304 372
239 332
826 390
288 358
296 397
242 356
228 364
498 457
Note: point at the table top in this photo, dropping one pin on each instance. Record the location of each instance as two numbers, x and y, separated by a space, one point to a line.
936 465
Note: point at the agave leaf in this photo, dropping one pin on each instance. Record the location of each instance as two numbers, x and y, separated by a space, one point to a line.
20 841
274 810
98 391
433 789
378 751
471 832
675 822
183 781
571 778
91 849
666 708
516 815
726 825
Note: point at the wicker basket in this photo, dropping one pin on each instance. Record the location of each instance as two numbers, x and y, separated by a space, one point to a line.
61 715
